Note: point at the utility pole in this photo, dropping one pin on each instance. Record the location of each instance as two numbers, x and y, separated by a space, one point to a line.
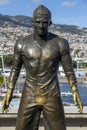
1 55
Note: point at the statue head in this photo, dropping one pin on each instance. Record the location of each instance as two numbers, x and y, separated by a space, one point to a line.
41 19
42 11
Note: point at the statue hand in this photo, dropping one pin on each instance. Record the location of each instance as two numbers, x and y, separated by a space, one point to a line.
77 100
7 99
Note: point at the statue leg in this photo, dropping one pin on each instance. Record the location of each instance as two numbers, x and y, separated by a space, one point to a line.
29 112
28 119
53 115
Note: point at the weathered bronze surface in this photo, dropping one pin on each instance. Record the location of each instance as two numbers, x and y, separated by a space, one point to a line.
41 53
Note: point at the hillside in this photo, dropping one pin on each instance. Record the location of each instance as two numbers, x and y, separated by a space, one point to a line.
70 29
14 27
20 20
14 21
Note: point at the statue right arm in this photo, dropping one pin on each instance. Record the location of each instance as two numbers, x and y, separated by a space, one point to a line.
16 66
66 61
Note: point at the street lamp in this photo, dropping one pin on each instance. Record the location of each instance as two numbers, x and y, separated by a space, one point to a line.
1 55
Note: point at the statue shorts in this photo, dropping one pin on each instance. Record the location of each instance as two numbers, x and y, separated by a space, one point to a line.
46 102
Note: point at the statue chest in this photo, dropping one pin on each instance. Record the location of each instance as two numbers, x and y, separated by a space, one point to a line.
40 55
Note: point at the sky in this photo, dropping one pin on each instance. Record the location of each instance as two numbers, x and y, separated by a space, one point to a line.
70 12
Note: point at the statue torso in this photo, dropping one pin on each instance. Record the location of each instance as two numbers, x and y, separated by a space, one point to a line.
41 61
40 56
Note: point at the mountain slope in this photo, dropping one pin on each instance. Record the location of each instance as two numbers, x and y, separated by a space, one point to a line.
21 20
13 21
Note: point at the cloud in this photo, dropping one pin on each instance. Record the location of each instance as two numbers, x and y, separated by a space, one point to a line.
67 3
5 2
37 1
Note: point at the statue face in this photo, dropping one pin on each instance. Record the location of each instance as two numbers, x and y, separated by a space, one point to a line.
41 25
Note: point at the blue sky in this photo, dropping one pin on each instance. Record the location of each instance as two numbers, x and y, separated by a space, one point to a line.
71 12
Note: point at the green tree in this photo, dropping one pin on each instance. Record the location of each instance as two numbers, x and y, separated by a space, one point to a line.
74 64
1 80
7 60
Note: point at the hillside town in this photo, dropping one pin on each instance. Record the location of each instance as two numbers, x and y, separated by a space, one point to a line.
9 35
77 42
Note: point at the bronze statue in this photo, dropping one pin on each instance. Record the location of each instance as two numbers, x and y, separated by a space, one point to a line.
41 53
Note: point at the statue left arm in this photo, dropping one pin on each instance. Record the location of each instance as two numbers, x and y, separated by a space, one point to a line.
66 61
16 66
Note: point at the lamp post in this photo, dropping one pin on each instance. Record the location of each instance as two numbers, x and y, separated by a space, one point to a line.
1 55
